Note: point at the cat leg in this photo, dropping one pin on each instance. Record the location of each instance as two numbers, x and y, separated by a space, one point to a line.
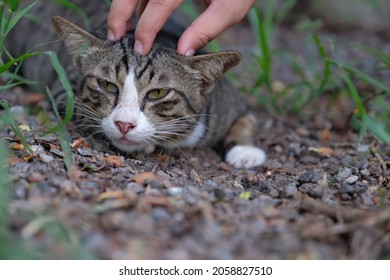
239 142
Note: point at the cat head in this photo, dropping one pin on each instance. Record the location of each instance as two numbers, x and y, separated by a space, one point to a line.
140 101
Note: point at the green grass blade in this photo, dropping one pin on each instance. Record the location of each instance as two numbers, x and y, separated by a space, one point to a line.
4 185
60 129
10 120
378 54
66 85
354 94
18 16
325 60
359 74
377 128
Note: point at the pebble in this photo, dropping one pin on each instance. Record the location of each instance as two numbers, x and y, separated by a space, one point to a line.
137 188
289 190
367 199
85 152
343 174
352 179
365 172
57 152
306 177
363 148
310 160
161 214
316 192
45 158
273 192
17 110
175 191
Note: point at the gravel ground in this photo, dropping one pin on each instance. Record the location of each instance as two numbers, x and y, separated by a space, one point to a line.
322 194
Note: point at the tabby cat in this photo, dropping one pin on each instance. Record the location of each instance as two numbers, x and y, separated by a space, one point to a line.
162 99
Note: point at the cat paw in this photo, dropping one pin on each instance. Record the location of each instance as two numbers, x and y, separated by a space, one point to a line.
242 156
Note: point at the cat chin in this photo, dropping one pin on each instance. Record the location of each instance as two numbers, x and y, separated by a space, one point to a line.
127 146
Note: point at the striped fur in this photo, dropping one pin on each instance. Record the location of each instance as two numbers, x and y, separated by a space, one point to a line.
114 89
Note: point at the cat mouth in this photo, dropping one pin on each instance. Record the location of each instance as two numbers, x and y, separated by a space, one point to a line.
126 142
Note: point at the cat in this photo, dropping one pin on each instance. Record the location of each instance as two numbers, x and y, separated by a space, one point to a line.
161 99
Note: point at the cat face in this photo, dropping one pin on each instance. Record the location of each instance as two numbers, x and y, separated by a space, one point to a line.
138 102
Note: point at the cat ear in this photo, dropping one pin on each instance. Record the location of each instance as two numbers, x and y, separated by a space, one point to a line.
213 65
76 38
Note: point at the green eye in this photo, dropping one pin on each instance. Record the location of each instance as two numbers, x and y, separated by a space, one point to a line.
107 86
157 94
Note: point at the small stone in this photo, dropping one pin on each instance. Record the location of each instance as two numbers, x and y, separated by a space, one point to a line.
306 177
57 152
163 175
343 174
85 152
352 179
316 192
251 179
290 190
161 214
45 158
37 149
367 199
273 192
137 188
17 111
363 148
365 172
310 160
175 191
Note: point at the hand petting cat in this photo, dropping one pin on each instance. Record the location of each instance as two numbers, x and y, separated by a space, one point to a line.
219 15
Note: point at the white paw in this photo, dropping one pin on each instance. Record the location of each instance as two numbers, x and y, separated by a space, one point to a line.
242 156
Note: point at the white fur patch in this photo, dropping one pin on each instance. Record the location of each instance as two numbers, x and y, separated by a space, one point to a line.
243 156
128 111
196 135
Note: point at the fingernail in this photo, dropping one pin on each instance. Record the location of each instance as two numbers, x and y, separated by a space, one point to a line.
110 35
190 52
138 48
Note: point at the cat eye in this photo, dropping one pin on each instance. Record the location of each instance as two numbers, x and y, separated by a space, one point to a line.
107 86
157 94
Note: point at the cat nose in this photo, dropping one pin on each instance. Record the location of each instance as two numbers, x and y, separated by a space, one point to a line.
124 127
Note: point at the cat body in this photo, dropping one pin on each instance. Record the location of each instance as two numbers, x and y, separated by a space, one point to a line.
161 99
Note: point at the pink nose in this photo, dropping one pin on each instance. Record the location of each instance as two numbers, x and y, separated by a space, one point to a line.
124 127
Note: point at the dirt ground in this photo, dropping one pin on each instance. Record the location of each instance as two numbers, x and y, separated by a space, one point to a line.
322 193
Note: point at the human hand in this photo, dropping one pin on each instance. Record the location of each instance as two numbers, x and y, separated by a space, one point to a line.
219 15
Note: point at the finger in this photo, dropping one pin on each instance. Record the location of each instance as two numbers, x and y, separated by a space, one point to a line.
151 21
219 16
118 21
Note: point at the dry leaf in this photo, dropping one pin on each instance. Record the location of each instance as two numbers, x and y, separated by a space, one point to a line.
144 178
323 151
114 161
33 98
110 195
17 146
28 157
80 143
